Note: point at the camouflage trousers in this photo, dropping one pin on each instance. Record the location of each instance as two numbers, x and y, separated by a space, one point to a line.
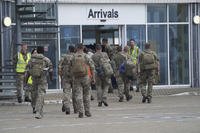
146 78
82 93
67 92
40 87
33 95
102 85
21 91
123 86
74 100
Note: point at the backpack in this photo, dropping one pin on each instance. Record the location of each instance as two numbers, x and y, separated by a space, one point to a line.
65 66
105 68
130 68
79 68
148 60
37 65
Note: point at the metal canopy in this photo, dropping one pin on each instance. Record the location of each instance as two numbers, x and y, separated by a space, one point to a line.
114 1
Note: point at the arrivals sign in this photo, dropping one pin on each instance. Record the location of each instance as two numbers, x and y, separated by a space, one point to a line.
103 14
97 14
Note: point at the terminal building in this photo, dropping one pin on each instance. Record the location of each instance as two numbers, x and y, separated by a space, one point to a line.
171 26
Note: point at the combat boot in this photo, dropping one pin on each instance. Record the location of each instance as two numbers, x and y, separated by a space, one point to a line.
149 99
121 99
143 99
63 108
34 111
131 88
67 111
110 90
91 98
75 111
129 97
88 114
38 115
99 104
27 99
80 115
19 99
105 103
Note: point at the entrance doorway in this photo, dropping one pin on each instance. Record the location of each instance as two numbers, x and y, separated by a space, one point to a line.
93 34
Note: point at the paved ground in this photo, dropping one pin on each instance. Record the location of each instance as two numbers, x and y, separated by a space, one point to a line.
167 114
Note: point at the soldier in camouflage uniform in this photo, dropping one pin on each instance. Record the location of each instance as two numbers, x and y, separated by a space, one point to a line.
110 51
102 83
40 83
67 80
148 65
30 87
122 79
81 80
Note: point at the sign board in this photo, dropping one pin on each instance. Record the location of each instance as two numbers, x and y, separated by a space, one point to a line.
101 14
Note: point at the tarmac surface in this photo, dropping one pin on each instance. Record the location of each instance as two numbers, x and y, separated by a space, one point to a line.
166 114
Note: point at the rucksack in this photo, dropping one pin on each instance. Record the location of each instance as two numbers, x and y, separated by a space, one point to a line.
79 68
148 60
37 65
65 66
104 68
130 68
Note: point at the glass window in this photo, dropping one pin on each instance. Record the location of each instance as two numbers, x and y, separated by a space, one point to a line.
69 35
89 35
157 36
178 13
138 33
179 54
156 13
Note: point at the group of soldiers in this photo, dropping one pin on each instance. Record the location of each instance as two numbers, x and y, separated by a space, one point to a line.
100 66
81 69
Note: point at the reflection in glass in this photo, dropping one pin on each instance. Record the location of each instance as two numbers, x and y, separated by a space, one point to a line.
138 33
156 13
157 36
178 12
69 35
179 54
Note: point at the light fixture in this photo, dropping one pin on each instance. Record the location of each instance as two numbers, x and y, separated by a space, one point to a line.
7 21
196 19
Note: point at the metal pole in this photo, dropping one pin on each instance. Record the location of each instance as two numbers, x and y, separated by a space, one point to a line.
198 44
18 24
1 36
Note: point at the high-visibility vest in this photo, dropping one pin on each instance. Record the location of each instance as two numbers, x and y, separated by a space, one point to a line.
134 54
30 81
21 63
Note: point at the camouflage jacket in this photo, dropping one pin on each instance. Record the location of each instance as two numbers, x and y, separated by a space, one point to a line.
48 67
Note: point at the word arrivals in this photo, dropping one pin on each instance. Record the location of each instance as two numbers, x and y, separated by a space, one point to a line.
103 14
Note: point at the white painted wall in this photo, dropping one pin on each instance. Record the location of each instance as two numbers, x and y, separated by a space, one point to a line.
77 14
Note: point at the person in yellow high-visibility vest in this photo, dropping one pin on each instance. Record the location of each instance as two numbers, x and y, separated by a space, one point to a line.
20 61
134 52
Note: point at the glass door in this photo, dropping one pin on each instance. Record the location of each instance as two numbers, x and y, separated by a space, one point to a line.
94 34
